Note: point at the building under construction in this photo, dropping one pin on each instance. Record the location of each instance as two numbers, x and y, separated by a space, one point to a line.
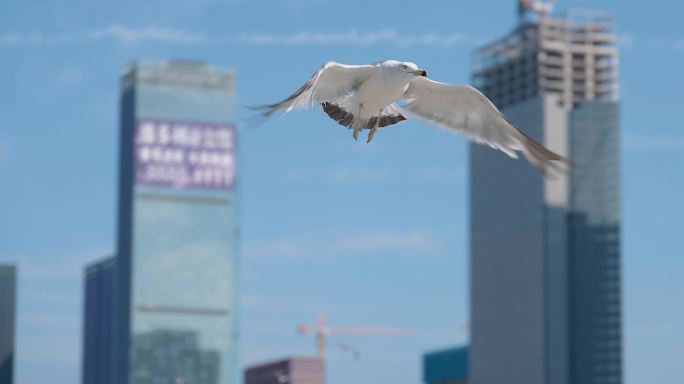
573 55
544 251
311 370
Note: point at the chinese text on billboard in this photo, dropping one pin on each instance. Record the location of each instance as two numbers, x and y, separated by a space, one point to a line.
184 154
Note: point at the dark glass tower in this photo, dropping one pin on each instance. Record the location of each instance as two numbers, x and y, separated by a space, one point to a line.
98 324
8 293
545 253
173 282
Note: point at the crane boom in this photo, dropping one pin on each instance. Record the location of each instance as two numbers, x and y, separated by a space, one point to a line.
321 330
372 331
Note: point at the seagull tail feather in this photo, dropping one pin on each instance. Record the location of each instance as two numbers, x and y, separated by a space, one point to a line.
544 159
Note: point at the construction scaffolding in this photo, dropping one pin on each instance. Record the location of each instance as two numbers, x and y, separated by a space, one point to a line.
572 54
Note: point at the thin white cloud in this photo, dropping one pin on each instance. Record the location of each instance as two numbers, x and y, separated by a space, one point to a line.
122 34
339 175
270 303
666 44
317 246
439 174
626 40
347 175
639 142
356 175
33 38
353 37
117 33
156 34
128 35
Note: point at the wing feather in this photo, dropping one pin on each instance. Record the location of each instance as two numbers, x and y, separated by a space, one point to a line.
464 109
330 83
340 113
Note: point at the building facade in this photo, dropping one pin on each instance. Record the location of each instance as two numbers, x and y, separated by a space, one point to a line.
8 294
178 226
98 326
293 370
448 366
174 278
545 252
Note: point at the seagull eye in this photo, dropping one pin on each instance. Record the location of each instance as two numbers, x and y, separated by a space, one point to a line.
403 66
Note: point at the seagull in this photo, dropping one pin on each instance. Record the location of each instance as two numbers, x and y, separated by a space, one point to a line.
348 348
386 93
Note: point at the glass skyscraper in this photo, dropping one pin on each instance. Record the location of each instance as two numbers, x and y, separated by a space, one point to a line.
175 275
8 293
545 252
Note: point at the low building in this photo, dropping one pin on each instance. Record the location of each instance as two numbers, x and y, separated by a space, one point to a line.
449 366
291 370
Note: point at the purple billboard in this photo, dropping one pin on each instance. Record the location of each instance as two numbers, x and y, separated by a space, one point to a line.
182 154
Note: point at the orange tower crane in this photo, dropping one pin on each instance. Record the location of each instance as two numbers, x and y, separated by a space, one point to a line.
321 330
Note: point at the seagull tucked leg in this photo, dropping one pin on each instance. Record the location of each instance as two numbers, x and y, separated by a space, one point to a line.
374 129
357 123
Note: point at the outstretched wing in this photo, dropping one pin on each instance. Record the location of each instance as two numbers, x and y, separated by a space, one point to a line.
331 82
464 109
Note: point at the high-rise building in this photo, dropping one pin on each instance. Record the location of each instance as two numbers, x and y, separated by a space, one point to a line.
98 324
8 293
292 370
174 278
545 252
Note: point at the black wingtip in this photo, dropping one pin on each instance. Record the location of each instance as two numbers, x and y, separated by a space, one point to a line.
255 107
263 113
264 110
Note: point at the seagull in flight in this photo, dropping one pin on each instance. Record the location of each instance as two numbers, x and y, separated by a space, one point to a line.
386 93
348 348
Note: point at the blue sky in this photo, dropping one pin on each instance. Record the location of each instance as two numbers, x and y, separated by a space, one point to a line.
371 234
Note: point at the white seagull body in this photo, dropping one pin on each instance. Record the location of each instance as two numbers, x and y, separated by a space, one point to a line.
365 96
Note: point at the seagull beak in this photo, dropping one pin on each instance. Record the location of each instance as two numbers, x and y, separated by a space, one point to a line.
421 72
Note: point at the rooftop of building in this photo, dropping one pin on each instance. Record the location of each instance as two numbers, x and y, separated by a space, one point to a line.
446 365
282 360
178 72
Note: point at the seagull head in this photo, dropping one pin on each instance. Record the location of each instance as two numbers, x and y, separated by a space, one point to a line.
407 67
